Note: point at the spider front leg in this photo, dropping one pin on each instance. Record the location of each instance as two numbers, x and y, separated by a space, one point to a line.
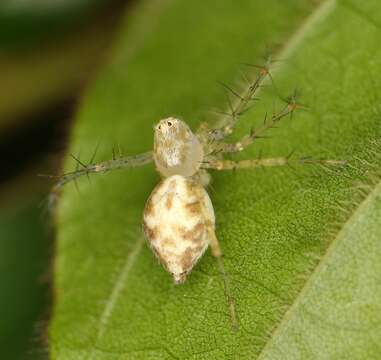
247 140
236 110
101 167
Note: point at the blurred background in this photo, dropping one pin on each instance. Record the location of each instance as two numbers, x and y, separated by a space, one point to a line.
49 51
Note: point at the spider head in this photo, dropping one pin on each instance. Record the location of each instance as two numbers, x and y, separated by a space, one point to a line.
177 151
169 125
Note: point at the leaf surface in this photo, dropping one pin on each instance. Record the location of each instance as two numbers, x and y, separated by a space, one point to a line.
279 229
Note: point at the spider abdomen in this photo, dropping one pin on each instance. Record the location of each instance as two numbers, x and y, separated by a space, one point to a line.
178 218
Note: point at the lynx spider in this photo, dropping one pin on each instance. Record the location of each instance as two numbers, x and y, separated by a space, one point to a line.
178 218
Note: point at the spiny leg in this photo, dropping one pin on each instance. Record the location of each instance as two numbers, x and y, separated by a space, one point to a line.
101 167
217 253
254 163
247 140
237 109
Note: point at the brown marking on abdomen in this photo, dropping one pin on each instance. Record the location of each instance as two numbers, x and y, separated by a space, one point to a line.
195 234
193 208
198 232
186 261
169 201
149 209
151 233
168 242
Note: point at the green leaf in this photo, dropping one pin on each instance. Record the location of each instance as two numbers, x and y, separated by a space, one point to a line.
338 308
287 234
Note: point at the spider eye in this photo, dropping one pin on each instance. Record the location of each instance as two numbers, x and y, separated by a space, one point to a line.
169 123
159 127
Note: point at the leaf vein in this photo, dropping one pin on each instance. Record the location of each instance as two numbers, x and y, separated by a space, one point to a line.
118 288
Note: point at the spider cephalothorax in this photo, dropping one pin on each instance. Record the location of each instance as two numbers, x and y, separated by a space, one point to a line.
178 218
177 151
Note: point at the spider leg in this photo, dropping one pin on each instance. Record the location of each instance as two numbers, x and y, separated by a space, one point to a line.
268 162
237 108
255 134
101 167
217 253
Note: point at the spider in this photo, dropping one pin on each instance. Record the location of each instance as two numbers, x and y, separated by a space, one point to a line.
178 219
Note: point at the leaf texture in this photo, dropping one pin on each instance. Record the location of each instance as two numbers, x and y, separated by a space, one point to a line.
280 229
